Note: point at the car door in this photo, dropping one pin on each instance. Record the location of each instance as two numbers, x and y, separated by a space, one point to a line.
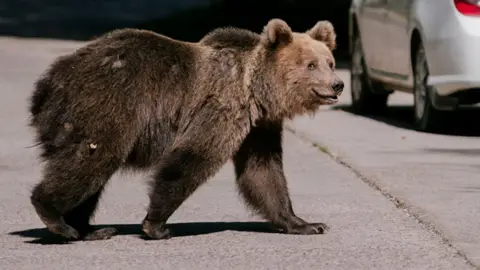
397 64
371 22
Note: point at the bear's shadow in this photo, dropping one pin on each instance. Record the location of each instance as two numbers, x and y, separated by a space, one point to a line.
44 237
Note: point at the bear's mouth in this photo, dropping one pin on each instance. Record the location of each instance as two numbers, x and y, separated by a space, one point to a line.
329 98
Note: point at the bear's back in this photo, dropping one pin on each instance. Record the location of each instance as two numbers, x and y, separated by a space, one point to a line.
145 48
126 59
125 68
231 38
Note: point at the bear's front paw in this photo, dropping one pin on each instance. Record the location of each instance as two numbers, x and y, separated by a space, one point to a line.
308 228
156 231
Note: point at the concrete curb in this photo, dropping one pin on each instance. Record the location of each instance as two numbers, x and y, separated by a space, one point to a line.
371 180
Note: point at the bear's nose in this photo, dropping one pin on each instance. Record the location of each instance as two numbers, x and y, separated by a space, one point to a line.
337 86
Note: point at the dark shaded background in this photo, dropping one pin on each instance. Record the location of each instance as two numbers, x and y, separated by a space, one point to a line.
182 19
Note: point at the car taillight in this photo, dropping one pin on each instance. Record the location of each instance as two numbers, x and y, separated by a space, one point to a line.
468 7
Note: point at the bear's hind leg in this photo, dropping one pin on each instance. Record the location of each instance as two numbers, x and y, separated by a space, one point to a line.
80 216
68 195
50 216
182 172
209 140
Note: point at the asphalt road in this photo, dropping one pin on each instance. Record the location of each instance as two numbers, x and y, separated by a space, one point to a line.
216 231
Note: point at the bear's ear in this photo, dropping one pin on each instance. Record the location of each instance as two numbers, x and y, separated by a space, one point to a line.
324 31
277 32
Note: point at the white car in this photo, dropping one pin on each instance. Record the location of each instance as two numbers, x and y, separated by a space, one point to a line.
430 48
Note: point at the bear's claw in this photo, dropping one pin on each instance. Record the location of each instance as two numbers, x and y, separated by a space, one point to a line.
308 228
101 234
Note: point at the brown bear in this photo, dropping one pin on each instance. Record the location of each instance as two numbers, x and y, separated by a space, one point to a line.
135 99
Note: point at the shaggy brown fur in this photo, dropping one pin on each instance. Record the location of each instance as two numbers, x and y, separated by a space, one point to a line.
136 99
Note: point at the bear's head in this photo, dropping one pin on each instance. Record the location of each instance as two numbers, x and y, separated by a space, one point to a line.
301 66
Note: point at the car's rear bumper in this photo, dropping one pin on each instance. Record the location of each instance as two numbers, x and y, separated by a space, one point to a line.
453 53
450 84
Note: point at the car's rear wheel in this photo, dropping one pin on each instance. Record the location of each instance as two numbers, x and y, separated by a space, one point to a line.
364 100
427 118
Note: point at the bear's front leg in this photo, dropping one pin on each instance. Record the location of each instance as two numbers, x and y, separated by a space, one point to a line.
261 180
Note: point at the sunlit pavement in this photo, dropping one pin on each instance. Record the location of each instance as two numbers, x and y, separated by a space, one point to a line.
370 230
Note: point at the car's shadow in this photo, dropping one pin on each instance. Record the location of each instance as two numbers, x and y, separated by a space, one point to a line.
44 237
462 122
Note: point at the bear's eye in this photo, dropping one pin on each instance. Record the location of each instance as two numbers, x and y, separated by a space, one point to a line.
330 64
312 66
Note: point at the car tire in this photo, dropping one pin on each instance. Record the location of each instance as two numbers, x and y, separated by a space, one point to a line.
364 100
426 117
